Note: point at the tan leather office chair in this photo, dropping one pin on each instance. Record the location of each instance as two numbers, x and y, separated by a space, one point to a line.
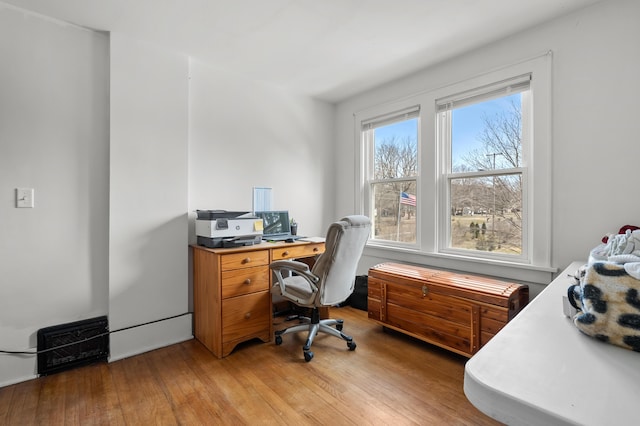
328 283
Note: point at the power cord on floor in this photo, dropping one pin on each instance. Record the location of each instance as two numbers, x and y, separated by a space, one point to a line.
90 338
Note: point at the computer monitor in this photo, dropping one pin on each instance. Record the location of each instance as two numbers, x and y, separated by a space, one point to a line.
275 223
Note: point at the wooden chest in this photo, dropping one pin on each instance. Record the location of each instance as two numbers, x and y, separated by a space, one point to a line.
455 311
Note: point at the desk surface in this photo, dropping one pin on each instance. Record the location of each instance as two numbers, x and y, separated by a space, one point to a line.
262 246
539 369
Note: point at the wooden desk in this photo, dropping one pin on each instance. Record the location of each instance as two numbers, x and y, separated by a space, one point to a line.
231 291
540 370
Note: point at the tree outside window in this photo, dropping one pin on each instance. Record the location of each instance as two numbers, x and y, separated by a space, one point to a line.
393 179
486 170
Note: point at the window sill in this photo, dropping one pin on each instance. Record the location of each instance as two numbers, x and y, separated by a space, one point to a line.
494 268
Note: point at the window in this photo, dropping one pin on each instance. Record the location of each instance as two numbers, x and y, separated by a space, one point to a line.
456 173
392 174
484 171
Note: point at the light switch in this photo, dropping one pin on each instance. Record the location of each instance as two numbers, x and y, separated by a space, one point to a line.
24 197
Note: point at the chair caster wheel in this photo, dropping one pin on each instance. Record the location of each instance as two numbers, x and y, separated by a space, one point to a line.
339 326
308 356
278 340
351 345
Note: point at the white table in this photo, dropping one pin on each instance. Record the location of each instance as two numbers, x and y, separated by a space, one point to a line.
540 370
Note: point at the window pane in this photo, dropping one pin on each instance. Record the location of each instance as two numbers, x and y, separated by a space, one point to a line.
487 135
396 150
486 213
394 211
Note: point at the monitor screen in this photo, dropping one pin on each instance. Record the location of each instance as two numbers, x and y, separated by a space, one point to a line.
275 222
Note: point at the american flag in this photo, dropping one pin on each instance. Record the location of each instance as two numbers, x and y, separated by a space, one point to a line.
407 199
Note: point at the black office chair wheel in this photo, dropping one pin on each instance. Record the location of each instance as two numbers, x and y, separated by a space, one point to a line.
278 340
308 356
352 345
339 325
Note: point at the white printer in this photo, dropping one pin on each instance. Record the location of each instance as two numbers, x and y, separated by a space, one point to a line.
221 228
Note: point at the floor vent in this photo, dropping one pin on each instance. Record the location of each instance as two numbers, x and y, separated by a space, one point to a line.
71 345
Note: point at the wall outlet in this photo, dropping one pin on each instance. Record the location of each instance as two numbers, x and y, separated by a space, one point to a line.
24 197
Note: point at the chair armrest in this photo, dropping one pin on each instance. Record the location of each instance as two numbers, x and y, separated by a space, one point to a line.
299 268
289 264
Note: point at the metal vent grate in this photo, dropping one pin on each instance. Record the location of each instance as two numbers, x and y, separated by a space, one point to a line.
77 343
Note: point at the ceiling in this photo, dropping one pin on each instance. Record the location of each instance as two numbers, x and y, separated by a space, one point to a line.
330 49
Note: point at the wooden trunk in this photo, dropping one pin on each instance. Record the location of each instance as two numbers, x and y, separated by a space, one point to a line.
455 311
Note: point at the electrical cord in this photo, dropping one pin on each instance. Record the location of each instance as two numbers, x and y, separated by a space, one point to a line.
90 338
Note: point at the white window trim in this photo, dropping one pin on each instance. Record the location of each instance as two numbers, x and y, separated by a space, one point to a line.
364 165
443 122
429 187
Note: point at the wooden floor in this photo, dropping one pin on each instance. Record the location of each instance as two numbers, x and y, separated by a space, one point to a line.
388 379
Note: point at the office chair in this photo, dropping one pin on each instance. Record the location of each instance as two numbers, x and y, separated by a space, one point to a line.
329 282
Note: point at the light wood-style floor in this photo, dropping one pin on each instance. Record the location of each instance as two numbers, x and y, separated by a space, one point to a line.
389 379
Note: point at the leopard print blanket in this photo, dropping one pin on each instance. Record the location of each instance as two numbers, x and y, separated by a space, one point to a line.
608 303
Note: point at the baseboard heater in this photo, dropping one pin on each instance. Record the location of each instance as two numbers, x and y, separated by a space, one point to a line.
65 346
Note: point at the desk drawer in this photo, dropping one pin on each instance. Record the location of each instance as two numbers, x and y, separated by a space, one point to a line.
298 251
247 259
244 281
246 316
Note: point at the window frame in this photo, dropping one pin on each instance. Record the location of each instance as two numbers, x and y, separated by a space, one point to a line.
431 165
390 116
444 140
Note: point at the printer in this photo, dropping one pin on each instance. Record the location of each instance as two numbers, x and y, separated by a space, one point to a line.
221 228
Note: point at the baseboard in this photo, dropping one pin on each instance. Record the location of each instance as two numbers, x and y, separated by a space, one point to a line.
148 337
15 380
21 368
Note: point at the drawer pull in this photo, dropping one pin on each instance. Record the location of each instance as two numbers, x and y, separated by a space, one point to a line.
247 281
316 249
246 260
247 315
425 290
286 253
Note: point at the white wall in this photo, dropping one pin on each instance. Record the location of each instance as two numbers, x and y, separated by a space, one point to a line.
53 138
595 125
103 126
148 270
245 133
99 127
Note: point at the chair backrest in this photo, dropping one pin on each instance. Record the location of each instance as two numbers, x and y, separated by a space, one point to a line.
336 267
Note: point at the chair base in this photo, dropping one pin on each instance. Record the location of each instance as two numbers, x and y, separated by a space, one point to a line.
315 325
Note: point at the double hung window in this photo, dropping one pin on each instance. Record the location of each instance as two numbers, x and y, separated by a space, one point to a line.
482 133
457 173
392 174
